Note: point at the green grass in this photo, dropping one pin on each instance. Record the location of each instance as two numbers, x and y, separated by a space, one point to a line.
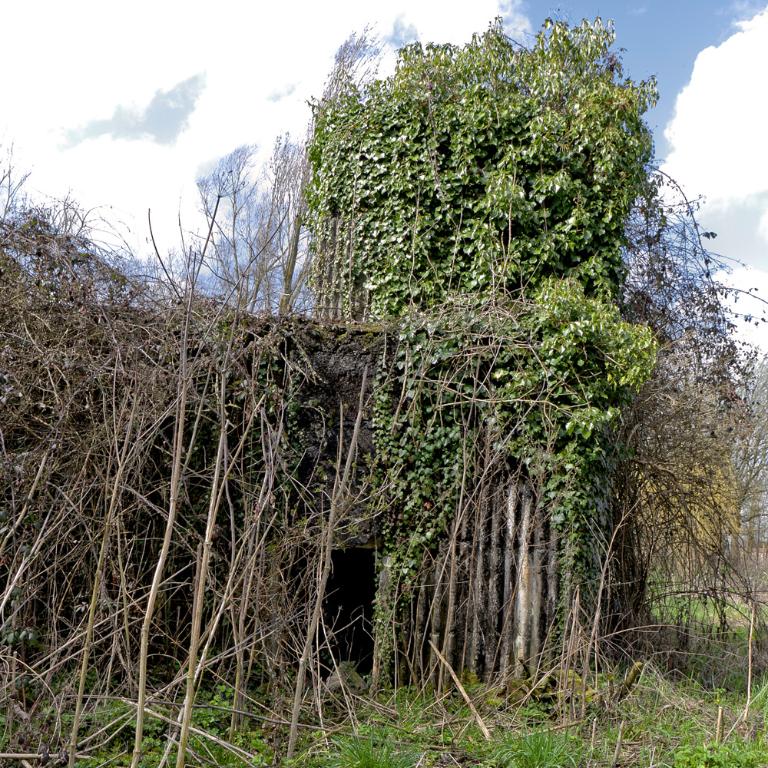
664 723
540 749
211 715
368 752
737 754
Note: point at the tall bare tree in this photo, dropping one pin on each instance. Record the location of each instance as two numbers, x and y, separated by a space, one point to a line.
259 258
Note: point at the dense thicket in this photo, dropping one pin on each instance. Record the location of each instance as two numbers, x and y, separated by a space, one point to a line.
151 444
532 432
479 196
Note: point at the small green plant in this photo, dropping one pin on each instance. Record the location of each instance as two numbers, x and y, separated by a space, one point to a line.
729 755
212 712
357 752
540 749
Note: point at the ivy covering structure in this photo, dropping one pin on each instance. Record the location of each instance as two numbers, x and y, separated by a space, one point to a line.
477 199
465 464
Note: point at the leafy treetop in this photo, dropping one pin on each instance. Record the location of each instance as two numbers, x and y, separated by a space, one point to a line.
479 170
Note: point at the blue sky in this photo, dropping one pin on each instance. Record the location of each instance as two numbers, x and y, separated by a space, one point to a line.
122 105
659 37
710 59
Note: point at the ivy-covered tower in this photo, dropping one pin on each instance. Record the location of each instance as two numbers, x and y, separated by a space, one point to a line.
477 199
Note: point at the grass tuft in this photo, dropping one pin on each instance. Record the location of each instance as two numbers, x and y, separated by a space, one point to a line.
540 749
360 752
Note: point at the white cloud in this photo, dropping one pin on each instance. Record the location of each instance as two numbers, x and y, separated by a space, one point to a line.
718 150
401 33
87 63
750 304
741 10
718 131
718 139
516 24
162 120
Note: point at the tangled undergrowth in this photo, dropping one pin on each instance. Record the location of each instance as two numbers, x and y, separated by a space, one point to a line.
548 506
658 724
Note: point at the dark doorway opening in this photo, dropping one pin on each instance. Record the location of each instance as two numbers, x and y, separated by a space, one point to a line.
348 607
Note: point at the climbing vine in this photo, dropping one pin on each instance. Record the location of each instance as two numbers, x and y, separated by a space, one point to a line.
478 170
544 379
479 197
